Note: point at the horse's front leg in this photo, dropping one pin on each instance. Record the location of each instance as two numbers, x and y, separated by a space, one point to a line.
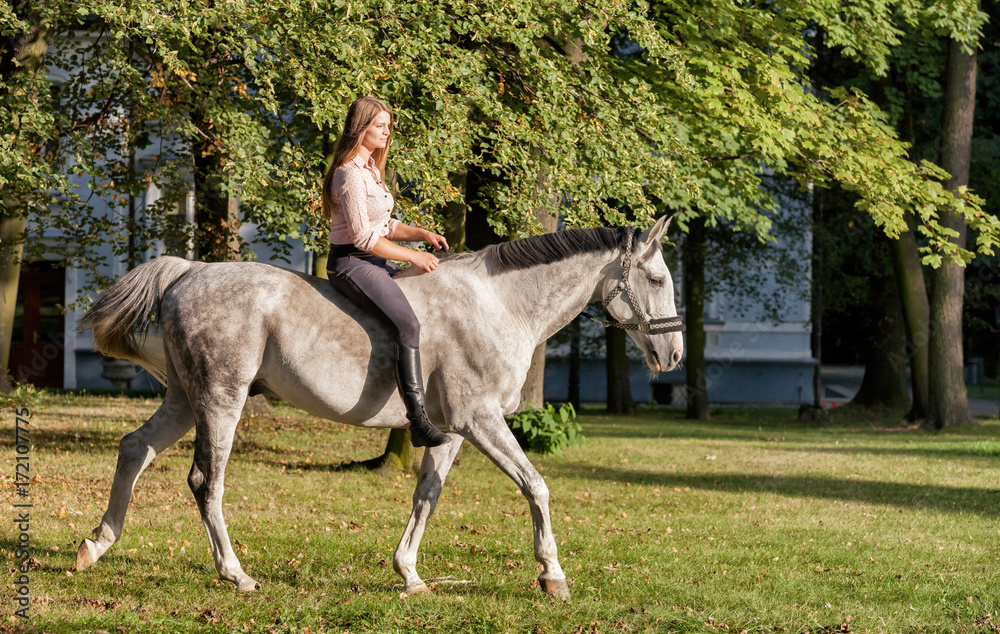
433 471
497 442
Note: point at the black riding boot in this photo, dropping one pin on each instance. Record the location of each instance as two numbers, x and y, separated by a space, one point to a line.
411 388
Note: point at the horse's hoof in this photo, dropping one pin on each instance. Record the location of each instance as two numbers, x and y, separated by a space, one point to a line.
558 588
86 555
246 584
409 592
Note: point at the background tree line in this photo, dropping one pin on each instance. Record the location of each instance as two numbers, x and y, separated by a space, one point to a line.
507 113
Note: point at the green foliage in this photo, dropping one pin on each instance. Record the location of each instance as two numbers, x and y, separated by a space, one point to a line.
19 395
911 95
747 101
676 105
546 430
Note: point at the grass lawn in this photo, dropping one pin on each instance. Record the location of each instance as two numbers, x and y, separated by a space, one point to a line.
751 521
988 390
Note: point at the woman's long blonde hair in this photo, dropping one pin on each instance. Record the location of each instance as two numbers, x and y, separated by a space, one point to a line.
360 116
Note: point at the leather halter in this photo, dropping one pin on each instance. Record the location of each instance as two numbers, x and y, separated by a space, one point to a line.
650 327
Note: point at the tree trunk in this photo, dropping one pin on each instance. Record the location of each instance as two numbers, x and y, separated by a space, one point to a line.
20 54
11 247
320 260
616 365
694 303
321 256
478 232
217 236
533 390
949 405
399 454
816 338
912 292
884 383
573 391
454 213
911 289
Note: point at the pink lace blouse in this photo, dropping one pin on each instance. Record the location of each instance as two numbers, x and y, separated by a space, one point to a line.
362 206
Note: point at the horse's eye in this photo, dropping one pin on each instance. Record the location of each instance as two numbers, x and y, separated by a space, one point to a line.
656 281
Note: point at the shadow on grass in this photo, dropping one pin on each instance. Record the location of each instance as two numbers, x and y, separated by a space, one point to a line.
85 441
975 449
975 441
763 425
99 442
951 499
749 424
372 465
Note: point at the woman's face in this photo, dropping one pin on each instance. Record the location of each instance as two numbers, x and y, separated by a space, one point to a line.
377 134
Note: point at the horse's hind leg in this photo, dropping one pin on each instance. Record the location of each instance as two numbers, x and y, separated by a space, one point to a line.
215 430
496 440
433 471
166 426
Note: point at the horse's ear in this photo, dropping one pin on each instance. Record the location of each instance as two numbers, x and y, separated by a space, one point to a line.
655 233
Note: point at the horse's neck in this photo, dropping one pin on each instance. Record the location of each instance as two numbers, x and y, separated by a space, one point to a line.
549 296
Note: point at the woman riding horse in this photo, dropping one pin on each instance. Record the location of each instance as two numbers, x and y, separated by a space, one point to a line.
362 229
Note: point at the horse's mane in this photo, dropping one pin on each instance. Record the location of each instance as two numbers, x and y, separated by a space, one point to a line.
546 248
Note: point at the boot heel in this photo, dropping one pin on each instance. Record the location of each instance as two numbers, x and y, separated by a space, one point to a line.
423 434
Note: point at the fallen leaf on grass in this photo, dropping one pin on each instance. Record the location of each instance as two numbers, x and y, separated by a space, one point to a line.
208 615
113 604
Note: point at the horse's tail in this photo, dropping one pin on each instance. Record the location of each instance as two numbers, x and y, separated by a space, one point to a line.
121 318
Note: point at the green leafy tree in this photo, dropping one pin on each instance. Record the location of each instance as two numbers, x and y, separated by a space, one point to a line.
760 110
863 316
25 31
916 97
531 101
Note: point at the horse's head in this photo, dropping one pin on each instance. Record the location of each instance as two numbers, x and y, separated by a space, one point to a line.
650 286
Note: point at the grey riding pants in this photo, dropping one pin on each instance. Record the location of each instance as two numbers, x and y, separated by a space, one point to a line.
367 280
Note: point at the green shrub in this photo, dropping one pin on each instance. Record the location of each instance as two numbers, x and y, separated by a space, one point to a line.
546 430
17 395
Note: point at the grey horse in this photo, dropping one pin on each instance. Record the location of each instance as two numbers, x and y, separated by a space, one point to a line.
230 330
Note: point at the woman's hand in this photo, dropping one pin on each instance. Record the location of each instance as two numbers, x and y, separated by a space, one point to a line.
385 248
424 260
435 240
